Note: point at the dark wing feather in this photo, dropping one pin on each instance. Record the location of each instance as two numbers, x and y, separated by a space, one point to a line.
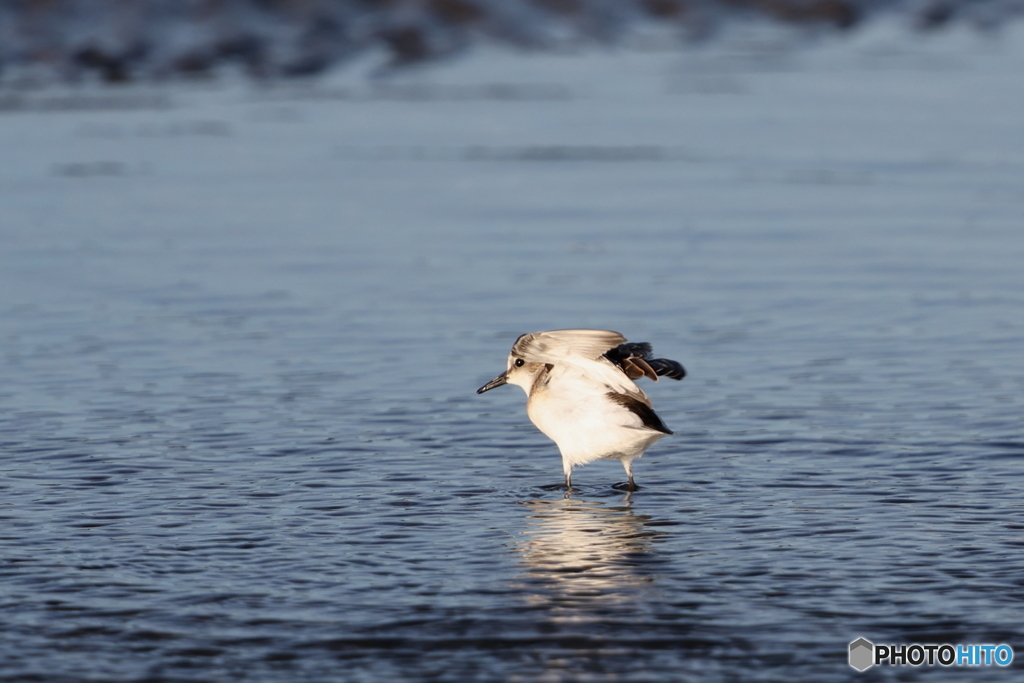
628 350
642 367
634 358
632 371
667 368
646 414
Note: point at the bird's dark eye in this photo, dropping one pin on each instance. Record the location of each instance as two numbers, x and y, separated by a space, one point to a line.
520 362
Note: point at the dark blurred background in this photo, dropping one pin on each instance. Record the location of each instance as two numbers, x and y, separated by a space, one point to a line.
124 40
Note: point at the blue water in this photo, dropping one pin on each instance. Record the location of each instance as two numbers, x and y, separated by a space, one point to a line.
240 439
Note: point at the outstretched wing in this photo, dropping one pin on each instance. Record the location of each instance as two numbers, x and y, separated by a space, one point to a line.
635 360
546 347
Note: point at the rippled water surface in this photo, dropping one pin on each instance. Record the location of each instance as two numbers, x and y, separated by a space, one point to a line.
241 332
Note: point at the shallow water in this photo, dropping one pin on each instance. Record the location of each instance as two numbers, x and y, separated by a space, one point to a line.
242 332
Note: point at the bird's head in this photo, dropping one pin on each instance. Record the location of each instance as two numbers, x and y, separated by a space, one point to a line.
519 371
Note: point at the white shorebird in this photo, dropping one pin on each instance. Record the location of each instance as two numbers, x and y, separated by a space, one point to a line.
580 393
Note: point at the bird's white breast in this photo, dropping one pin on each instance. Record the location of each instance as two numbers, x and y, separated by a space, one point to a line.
572 408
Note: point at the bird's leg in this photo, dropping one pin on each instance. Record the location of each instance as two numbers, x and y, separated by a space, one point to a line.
628 465
568 481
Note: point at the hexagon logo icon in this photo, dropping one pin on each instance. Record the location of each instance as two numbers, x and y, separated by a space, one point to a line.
862 654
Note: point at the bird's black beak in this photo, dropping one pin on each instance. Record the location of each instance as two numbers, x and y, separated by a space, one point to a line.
496 382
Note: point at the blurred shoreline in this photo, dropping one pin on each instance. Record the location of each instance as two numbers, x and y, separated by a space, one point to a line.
121 41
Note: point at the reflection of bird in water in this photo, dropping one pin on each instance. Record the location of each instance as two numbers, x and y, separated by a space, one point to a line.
584 559
581 394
